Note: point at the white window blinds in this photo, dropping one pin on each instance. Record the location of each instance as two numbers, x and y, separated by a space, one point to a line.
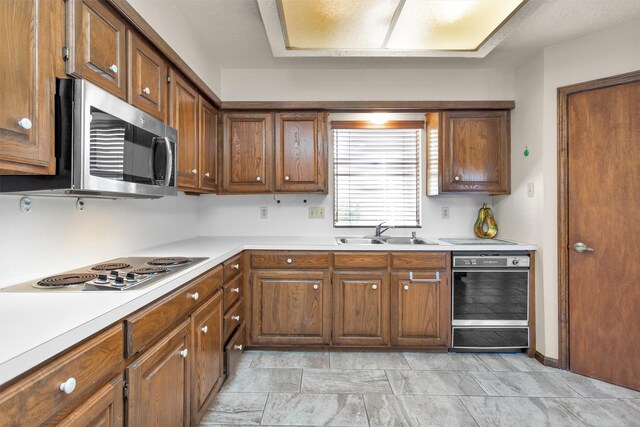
377 177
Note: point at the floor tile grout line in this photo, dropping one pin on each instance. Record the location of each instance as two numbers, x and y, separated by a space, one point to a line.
569 409
468 411
264 407
476 381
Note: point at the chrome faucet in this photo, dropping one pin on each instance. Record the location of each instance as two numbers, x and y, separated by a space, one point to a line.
380 230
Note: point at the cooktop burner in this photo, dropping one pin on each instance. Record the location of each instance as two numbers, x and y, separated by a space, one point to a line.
64 280
110 266
149 270
169 262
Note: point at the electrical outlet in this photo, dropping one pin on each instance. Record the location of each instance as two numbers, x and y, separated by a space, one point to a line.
316 213
530 190
444 213
264 212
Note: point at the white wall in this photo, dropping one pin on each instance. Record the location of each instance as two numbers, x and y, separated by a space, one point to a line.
55 237
166 19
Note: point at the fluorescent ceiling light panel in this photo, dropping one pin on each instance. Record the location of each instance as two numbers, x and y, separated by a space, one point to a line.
368 28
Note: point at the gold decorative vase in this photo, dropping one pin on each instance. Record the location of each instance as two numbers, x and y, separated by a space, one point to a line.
485 226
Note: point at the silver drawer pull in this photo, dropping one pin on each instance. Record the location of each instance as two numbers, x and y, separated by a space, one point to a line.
204 329
25 123
184 353
146 91
68 386
258 178
405 287
436 280
374 287
113 68
238 347
289 260
194 296
207 175
315 286
286 178
236 318
235 266
236 290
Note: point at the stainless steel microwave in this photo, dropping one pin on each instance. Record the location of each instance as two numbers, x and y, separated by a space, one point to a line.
104 148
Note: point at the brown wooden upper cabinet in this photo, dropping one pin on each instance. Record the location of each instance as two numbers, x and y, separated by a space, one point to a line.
183 115
97 45
247 153
208 146
32 33
147 77
474 152
300 152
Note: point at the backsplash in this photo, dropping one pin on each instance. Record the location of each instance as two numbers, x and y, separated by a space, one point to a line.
54 236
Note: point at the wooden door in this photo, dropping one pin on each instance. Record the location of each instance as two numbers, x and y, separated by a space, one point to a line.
183 116
97 45
361 308
32 33
208 361
420 309
208 147
159 382
147 77
104 408
290 307
475 152
300 152
247 153
603 128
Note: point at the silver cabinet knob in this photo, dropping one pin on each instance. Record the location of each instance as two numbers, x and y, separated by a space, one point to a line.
194 296
184 353
207 174
315 286
581 247
405 287
286 178
236 290
146 90
289 260
235 266
68 386
204 329
457 178
238 347
258 178
194 171
236 318
374 287
25 123
113 68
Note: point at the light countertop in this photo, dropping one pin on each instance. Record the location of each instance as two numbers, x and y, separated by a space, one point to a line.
35 326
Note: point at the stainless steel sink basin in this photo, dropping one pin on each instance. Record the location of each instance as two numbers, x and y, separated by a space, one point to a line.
407 241
358 241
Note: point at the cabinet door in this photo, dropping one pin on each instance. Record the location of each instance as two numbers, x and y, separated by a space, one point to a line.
300 152
98 45
104 408
361 308
247 153
290 307
208 361
420 309
147 77
183 115
32 33
475 152
208 152
159 382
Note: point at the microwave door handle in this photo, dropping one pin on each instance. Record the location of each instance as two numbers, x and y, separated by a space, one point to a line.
169 169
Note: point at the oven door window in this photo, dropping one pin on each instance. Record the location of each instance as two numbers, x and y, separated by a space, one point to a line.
123 152
490 295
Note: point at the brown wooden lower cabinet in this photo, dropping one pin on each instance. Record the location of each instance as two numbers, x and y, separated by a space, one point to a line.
361 308
290 307
420 309
159 381
104 408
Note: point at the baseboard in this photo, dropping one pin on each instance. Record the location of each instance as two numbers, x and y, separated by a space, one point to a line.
547 361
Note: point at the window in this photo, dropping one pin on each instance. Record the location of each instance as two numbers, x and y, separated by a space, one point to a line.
377 174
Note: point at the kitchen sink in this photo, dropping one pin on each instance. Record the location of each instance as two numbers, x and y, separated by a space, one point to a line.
383 240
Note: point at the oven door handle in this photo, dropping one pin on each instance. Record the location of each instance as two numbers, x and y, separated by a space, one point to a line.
436 280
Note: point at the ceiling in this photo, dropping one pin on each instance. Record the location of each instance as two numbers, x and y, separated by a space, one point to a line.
234 34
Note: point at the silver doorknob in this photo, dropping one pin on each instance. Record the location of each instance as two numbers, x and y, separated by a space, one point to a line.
286 178
457 178
581 247
25 123
406 287
258 178
146 90
113 68
374 287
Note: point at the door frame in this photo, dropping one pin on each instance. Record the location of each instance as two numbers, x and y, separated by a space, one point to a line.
563 201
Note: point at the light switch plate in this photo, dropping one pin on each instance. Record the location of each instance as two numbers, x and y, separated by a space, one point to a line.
264 212
316 213
444 212
530 190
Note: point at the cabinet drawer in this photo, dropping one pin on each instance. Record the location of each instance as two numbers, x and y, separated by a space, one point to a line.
38 397
149 323
233 351
232 292
232 267
360 259
419 260
233 318
289 260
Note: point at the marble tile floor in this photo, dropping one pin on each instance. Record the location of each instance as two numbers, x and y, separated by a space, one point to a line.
414 389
